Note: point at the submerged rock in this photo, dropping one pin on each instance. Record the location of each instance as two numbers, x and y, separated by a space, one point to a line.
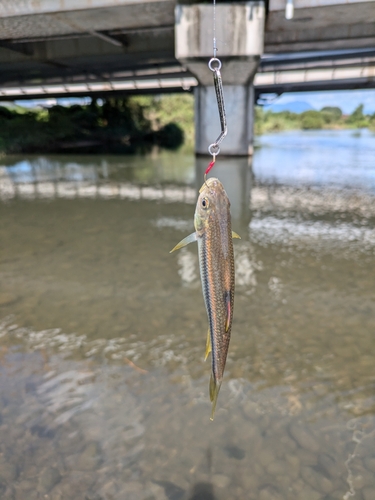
90 457
8 471
304 438
269 493
48 479
220 480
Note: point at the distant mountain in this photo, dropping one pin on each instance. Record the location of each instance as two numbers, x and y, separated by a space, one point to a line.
294 107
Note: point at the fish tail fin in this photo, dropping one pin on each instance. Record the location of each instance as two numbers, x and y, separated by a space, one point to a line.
214 392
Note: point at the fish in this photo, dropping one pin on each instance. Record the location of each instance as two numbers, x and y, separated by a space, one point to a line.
213 233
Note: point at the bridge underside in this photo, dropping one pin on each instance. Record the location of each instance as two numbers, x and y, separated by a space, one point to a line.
66 45
60 51
320 25
329 70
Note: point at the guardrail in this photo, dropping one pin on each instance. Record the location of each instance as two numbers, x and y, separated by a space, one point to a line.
264 82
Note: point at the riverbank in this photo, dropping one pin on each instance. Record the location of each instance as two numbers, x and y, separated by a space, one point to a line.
112 126
138 123
330 118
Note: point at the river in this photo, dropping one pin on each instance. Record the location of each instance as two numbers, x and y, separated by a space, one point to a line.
103 386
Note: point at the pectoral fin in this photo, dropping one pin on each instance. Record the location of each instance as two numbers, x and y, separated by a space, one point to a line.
208 345
189 239
235 235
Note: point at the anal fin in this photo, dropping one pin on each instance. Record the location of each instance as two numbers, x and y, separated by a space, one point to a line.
229 311
208 345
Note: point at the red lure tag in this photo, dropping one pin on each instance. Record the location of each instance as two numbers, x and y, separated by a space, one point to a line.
210 165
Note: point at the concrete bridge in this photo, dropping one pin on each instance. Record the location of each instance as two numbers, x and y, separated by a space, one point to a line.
98 47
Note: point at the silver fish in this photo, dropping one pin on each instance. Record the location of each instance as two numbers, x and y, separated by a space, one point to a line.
214 235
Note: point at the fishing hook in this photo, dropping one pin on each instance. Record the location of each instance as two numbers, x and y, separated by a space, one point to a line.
210 165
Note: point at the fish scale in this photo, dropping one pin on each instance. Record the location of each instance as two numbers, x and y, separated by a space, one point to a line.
217 272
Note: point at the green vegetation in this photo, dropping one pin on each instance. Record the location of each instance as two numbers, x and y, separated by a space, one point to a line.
267 121
121 125
358 119
137 123
329 117
331 114
311 120
172 108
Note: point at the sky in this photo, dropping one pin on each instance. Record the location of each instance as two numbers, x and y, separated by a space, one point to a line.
63 101
347 100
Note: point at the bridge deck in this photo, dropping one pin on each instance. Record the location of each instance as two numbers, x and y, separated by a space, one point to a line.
70 41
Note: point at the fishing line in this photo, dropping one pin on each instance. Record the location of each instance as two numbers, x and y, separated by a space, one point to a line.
214 30
214 65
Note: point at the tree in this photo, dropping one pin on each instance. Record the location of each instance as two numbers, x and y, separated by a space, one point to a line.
357 113
357 118
311 120
331 114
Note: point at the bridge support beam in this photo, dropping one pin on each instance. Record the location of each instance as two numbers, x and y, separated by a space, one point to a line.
239 35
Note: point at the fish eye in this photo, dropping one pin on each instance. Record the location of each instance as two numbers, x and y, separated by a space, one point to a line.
204 203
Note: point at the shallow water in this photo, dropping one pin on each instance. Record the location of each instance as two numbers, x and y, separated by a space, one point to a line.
103 387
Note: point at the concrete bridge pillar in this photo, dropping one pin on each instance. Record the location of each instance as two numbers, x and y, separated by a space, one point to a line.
239 40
